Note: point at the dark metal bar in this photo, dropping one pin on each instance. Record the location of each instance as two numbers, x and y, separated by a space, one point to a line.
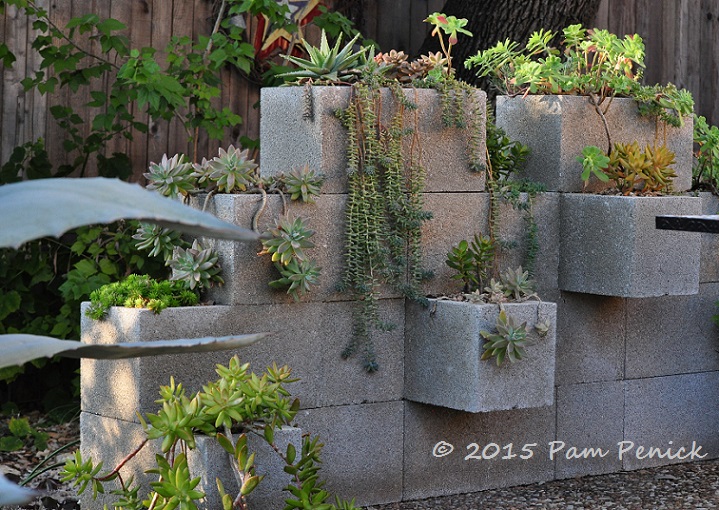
704 223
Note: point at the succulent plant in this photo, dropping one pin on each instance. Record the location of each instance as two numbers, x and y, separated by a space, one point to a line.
330 64
160 241
287 240
508 342
303 183
172 177
517 284
494 292
231 171
644 171
472 261
297 276
139 291
195 266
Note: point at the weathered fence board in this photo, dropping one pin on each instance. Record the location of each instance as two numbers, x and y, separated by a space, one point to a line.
681 37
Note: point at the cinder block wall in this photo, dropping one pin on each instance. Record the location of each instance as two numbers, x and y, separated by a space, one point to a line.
640 370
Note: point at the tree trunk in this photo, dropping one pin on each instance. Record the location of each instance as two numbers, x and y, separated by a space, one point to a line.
493 21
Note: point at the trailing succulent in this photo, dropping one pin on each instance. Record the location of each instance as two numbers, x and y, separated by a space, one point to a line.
384 212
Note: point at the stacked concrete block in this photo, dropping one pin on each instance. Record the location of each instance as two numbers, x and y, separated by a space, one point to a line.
590 423
443 347
709 267
300 128
247 274
671 412
435 419
557 128
610 246
672 335
453 452
591 332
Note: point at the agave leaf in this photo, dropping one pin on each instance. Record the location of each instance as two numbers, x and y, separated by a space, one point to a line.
11 494
17 349
50 207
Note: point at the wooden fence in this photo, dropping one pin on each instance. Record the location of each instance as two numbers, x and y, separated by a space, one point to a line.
681 37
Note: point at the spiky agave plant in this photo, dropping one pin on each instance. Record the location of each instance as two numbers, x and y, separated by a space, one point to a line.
172 177
326 64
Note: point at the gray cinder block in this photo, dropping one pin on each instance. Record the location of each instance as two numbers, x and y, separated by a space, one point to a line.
598 325
455 216
709 268
671 412
679 329
362 453
453 452
247 275
289 139
590 423
443 347
610 246
557 128
309 337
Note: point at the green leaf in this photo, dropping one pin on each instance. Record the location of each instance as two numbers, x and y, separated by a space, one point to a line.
110 25
30 210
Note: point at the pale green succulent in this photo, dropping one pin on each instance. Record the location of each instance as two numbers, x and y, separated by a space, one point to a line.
232 170
287 240
508 342
172 177
330 64
297 277
195 266
303 183
517 284
160 241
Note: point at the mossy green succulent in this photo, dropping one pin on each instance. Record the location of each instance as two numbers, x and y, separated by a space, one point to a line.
140 291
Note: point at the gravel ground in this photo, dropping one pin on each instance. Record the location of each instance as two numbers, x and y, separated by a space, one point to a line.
681 486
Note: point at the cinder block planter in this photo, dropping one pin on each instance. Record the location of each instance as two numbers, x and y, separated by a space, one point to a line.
291 139
211 462
557 128
247 275
443 347
610 246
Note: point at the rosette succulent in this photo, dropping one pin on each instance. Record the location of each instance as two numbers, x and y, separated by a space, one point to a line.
172 177
195 266
330 64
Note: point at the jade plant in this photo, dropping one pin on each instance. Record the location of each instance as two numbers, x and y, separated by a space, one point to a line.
593 63
236 405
